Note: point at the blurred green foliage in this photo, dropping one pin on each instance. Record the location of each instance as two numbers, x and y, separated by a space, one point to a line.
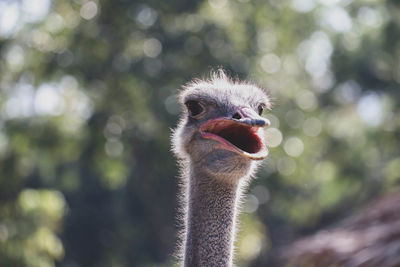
88 97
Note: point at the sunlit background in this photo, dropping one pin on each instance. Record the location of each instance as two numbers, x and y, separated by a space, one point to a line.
88 98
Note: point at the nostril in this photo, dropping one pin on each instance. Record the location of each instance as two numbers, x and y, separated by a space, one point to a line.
236 116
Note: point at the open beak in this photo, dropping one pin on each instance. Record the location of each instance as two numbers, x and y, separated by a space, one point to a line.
239 134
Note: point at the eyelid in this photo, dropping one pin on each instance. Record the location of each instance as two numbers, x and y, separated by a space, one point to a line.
205 102
199 101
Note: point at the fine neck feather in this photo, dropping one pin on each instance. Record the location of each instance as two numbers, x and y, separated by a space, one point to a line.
211 216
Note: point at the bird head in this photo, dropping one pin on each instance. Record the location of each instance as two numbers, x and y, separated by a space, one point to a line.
222 128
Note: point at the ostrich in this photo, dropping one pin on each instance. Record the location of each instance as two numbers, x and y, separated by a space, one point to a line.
219 143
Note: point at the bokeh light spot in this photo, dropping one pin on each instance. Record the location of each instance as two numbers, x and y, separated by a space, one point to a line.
250 204
171 104
54 23
217 3
9 14
48 100
15 58
89 10
147 16
306 100
303 6
369 109
336 18
35 10
261 193
29 199
273 137
293 146
270 63
114 148
369 17
152 47
250 246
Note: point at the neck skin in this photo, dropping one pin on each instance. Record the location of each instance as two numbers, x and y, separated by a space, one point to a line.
210 229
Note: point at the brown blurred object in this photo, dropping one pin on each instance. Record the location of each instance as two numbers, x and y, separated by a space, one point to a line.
368 239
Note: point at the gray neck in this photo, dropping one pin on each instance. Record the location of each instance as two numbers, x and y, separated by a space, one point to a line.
210 229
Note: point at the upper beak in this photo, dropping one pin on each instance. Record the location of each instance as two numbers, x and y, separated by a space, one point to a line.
248 116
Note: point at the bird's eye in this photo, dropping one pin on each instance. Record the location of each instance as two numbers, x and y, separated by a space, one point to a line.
194 108
261 108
